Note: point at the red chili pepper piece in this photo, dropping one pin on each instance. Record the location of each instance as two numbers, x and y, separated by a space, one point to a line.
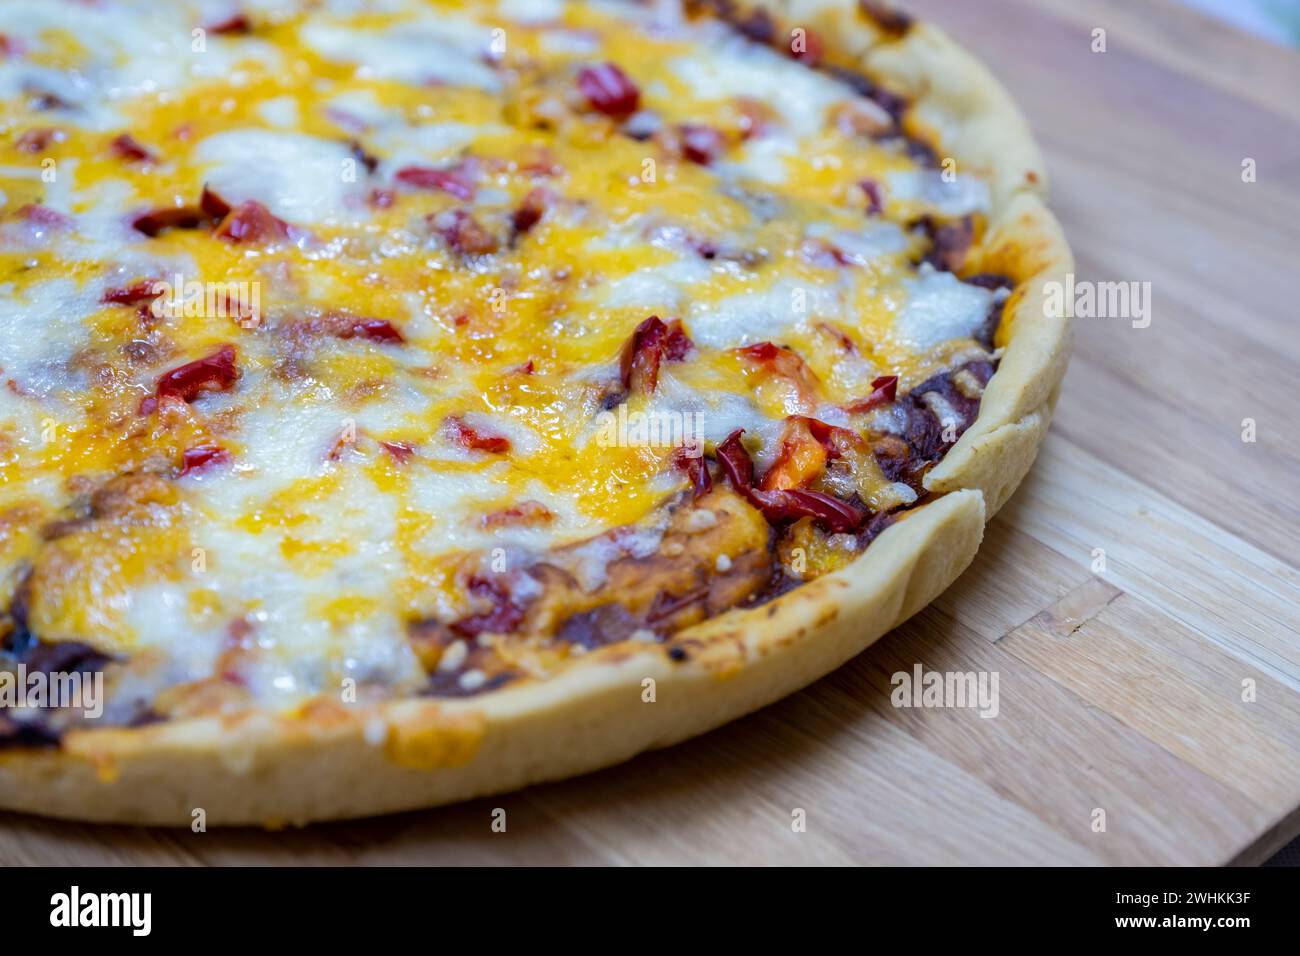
449 181
200 456
649 346
476 439
883 392
376 330
530 211
701 144
608 90
142 291
696 470
127 147
400 450
215 373
213 205
780 506
250 221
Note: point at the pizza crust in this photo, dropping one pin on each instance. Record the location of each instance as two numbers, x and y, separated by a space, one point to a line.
333 761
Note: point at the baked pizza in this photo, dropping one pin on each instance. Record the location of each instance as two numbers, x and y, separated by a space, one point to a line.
406 401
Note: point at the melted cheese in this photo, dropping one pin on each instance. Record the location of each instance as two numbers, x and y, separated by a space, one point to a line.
345 505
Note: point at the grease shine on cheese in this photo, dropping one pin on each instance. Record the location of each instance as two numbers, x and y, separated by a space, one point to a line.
327 556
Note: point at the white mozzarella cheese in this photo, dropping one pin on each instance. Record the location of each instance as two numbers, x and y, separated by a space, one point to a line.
299 178
445 49
941 307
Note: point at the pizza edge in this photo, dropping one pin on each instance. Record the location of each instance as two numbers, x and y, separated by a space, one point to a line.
334 762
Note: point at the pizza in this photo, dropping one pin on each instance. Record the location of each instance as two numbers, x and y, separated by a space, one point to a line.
407 401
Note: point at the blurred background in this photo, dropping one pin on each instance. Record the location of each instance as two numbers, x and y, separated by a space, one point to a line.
1277 20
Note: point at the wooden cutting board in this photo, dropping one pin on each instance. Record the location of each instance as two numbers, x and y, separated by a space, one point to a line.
1120 690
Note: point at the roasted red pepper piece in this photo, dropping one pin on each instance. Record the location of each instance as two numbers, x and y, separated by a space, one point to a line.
250 221
215 373
127 147
883 392
200 456
376 330
652 343
696 470
701 144
451 181
779 506
476 439
608 90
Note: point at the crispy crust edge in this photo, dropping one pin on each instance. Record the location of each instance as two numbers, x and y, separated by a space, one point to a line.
335 762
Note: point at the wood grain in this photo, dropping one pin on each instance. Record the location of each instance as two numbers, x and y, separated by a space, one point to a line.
1120 690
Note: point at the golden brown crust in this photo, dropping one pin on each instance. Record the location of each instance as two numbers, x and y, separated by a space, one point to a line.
334 762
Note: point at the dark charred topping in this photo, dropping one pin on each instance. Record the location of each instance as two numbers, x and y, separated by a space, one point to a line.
502 615
599 627
21 646
213 373
476 439
180 217
465 234
875 199
453 684
716 554
454 182
922 438
891 21
530 211
919 151
27 734
608 90
865 86
950 243
993 281
872 529
367 160
238 23
63 657
757 26
210 210
212 205
652 343
996 283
